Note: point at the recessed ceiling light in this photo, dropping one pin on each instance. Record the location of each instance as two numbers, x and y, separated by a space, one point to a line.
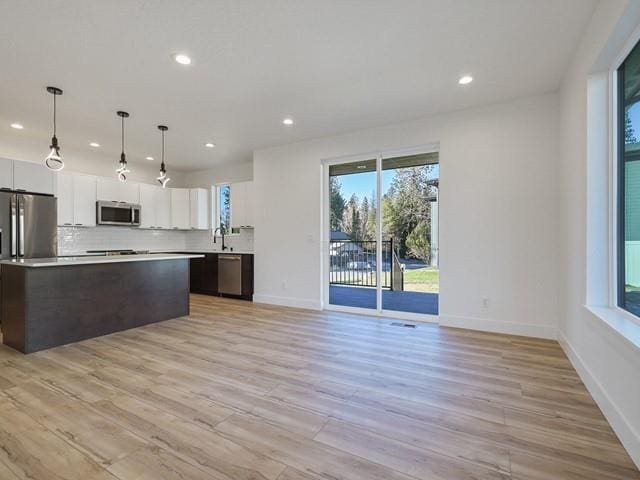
465 80
94 144
288 121
17 126
209 145
182 59
150 158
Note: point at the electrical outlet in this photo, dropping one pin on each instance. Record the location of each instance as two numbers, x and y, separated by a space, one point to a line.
284 284
485 302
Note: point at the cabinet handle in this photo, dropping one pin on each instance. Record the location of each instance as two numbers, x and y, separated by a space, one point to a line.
68 224
79 224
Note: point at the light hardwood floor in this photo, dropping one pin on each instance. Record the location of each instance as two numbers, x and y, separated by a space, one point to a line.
241 391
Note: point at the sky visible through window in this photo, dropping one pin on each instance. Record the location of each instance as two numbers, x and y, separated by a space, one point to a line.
364 184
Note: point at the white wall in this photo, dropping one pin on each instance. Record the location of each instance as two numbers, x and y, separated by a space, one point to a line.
608 364
497 213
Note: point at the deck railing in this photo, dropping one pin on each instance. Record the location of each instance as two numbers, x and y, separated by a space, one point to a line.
353 262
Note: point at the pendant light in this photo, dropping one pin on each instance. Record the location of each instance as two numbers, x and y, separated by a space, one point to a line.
53 161
163 179
122 169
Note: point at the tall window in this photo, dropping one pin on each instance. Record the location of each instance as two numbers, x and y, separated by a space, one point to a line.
224 208
629 183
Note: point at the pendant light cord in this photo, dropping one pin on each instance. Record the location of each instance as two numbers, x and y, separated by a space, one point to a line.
122 131
163 149
54 114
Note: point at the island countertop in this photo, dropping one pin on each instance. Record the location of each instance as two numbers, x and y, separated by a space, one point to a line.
89 260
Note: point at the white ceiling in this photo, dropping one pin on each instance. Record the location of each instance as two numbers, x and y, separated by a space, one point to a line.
332 65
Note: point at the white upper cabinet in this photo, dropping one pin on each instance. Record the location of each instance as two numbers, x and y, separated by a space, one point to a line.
76 199
242 204
180 209
6 174
199 200
129 192
64 193
113 190
163 207
148 203
84 200
32 177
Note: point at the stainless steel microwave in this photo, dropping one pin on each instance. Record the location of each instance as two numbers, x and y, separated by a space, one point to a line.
118 213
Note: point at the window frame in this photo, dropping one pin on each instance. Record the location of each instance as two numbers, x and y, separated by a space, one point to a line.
617 221
216 190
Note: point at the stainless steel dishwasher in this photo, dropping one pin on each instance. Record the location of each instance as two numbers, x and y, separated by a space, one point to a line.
230 274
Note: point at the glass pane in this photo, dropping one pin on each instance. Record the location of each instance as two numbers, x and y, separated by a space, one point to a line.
352 242
224 201
629 250
410 274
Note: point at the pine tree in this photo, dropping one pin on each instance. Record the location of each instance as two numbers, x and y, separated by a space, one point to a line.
629 132
337 204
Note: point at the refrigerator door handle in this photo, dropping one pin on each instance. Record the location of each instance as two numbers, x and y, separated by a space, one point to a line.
21 239
14 225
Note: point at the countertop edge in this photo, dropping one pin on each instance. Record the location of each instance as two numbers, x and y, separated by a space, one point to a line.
68 261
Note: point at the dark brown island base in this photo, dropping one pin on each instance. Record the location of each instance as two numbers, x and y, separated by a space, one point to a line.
55 301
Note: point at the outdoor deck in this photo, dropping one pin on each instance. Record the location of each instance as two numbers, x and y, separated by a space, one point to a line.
403 301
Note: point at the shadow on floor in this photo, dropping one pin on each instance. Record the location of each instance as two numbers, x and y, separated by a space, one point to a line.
364 297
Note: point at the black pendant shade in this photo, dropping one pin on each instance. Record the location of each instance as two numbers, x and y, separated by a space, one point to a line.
122 169
53 161
163 179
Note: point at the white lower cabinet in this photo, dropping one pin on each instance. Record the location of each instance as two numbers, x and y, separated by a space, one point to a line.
199 211
76 199
180 209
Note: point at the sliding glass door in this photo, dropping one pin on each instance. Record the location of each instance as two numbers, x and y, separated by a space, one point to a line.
352 197
381 225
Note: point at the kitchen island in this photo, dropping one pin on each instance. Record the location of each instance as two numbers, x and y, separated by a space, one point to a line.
48 302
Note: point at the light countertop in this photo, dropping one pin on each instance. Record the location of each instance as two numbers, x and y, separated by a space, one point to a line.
88 260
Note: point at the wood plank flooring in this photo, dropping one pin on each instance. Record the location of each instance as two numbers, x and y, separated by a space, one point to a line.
240 391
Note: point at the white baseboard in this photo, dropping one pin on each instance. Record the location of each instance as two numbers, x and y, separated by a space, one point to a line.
309 304
629 437
497 326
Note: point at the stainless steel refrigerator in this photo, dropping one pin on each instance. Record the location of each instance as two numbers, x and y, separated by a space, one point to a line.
28 225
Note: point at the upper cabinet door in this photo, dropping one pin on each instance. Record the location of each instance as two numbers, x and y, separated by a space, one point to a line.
64 193
242 204
180 214
32 177
163 208
6 174
108 190
129 192
238 204
84 200
199 212
113 190
148 202
249 198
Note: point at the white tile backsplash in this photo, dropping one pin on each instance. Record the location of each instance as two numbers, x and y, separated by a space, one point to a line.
203 241
77 240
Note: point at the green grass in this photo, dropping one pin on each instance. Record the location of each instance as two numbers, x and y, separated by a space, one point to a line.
425 279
